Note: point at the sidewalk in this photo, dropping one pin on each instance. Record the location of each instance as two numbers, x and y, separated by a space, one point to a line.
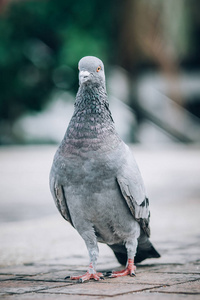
38 248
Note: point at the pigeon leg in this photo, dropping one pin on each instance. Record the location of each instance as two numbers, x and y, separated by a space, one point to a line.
130 267
129 270
91 243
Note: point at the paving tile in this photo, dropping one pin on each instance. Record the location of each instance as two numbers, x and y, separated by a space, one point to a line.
58 276
178 256
188 269
147 268
20 287
192 287
153 296
40 296
7 277
152 267
98 289
177 251
29 269
131 296
155 278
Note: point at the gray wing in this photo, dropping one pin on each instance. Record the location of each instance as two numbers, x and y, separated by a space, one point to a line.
58 194
133 191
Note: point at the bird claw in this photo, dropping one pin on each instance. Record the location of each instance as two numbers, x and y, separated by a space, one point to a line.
107 274
125 272
86 277
81 280
130 270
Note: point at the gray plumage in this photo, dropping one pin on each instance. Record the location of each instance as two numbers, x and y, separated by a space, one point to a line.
95 181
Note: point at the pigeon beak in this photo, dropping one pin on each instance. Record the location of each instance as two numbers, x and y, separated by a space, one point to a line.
84 76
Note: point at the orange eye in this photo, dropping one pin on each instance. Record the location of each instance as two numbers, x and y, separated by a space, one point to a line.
98 69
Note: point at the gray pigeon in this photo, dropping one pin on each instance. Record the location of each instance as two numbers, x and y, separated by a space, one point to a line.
95 181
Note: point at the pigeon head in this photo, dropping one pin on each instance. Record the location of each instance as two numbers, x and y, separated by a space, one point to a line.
91 71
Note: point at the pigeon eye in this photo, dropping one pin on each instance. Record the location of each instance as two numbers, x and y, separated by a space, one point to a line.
98 69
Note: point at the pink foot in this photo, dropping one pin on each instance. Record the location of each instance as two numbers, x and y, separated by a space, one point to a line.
87 276
130 270
90 274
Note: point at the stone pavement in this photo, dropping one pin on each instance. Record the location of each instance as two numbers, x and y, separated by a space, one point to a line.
38 248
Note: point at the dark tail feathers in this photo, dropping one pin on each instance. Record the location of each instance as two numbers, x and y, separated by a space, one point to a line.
144 251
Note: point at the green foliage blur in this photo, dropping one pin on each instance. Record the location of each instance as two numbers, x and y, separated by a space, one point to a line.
40 45
41 42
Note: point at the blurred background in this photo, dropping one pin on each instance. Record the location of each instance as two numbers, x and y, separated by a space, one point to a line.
151 54
152 60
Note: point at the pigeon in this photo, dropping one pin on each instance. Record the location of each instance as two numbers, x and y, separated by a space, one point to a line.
95 180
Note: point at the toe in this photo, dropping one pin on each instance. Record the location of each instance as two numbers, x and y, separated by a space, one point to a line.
107 274
86 277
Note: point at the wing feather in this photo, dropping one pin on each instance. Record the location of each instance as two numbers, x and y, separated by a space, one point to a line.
133 191
60 200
